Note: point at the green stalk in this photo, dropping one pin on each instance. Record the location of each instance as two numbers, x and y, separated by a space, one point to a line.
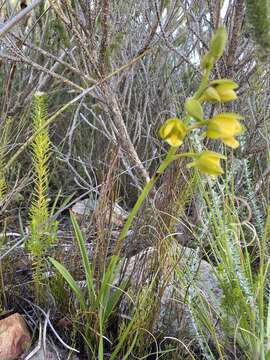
198 125
203 85
163 166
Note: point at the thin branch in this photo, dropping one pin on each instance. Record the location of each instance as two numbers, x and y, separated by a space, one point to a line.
19 17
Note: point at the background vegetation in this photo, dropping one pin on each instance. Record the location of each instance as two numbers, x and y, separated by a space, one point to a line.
84 88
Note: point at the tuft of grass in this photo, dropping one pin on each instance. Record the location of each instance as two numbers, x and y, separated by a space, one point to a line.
97 306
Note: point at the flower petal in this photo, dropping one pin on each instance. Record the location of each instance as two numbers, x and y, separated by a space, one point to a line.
228 115
212 133
168 128
233 85
173 140
211 94
226 95
232 142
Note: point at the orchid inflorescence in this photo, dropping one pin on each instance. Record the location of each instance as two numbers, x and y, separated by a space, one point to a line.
224 126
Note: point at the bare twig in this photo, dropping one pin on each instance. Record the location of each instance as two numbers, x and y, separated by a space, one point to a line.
19 17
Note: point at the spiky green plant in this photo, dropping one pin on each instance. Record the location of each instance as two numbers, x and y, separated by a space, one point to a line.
43 230
39 212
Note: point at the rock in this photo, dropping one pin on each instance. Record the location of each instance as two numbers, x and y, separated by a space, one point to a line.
14 337
87 207
174 293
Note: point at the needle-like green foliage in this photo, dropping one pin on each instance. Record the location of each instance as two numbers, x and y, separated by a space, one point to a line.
39 212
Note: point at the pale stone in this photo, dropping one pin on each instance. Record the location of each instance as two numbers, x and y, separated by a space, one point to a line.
116 214
14 337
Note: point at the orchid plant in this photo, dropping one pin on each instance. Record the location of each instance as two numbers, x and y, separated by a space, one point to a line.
223 126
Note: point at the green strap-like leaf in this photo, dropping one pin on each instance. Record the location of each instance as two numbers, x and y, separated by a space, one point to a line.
70 280
85 259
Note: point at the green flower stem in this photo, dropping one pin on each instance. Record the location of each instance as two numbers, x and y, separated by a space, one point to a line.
166 162
197 125
163 166
203 85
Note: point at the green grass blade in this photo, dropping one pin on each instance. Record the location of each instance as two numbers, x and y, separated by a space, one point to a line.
114 299
108 278
85 259
126 356
70 280
101 341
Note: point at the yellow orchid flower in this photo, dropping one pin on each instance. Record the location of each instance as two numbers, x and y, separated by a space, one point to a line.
208 162
173 131
225 126
222 90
